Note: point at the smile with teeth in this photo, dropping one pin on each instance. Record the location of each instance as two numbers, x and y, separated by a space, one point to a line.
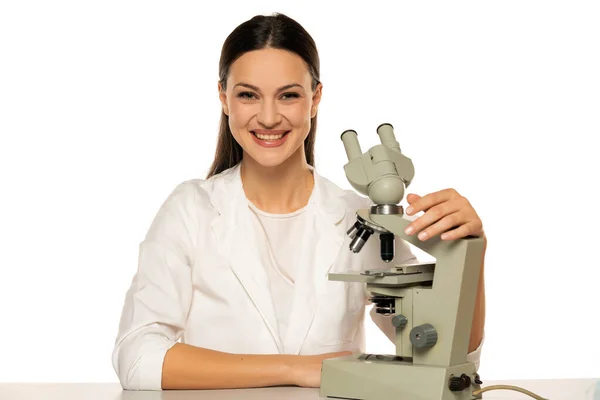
269 137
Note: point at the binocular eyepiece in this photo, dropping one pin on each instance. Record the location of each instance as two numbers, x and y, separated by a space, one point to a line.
360 232
386 137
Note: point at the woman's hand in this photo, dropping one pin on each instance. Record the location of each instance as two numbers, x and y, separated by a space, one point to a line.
306 370
446 213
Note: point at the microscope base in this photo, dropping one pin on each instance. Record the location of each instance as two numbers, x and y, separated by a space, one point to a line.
356 378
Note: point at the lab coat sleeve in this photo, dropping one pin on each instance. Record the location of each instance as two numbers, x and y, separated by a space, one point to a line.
158 300
475 355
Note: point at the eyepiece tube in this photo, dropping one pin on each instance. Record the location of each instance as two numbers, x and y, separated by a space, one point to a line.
353 151
387 137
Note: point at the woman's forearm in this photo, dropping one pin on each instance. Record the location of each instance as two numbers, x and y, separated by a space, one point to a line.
478 326
190 367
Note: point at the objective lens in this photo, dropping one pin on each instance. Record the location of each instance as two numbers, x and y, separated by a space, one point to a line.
387 246
360 239
352 231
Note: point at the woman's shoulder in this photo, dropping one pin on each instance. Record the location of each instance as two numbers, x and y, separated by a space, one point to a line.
199 191
190 190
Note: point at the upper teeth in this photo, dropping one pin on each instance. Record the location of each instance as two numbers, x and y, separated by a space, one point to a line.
269 137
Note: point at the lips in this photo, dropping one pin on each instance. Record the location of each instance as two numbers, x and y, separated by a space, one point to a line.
269 138
271 135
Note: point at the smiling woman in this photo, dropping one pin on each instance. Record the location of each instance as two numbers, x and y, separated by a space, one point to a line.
231 289
268 86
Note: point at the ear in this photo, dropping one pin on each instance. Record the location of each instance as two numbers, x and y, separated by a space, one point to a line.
223 99
316 99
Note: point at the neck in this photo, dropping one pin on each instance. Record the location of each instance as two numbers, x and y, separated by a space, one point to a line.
281 189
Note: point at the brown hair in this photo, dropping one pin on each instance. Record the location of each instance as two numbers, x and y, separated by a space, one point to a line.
274 31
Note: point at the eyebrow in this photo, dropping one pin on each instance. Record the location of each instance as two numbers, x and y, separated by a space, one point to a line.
291 85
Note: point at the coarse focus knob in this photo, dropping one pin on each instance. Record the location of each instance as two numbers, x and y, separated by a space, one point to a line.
399 321
459 383
423 336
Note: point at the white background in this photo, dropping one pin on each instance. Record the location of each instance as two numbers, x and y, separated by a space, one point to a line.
106 106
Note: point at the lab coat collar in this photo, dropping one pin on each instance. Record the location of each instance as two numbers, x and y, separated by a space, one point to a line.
238 243
228 193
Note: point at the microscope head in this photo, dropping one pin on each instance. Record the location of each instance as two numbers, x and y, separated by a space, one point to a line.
382 173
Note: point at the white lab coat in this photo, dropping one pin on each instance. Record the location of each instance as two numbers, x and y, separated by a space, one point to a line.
201 281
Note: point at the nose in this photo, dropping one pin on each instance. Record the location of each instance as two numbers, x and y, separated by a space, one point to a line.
268 114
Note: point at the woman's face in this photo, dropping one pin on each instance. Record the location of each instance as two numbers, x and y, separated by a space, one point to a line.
270 103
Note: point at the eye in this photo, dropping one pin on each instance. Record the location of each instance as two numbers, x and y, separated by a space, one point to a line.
245 95
292 95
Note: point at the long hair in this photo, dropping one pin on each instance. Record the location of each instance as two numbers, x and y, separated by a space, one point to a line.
274 31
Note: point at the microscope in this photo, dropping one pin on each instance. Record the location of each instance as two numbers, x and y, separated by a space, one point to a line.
431 305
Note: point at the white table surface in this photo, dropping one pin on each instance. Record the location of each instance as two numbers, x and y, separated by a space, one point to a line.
567 389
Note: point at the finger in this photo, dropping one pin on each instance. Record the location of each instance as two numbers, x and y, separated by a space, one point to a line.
430 200
432 215
459 232
411 198
446 223
473 228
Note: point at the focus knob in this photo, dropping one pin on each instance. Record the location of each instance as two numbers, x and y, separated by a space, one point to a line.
399 321
459 383
423 336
